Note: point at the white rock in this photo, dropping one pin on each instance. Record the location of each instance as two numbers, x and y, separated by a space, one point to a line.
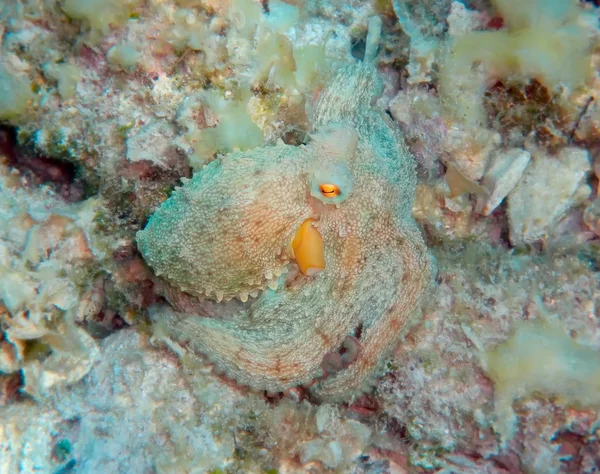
506 171
545 193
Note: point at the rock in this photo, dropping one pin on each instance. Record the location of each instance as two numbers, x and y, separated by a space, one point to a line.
134 412
153 143
140 410
506 171
545 193
62 368
470 149
26 434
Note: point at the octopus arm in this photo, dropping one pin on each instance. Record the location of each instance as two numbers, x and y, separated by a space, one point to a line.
381 335
267 355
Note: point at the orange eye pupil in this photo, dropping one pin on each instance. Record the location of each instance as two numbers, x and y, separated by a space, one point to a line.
329 190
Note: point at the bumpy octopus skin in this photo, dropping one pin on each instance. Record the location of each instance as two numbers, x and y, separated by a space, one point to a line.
226 233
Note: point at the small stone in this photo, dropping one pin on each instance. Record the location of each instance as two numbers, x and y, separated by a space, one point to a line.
545 193
506 171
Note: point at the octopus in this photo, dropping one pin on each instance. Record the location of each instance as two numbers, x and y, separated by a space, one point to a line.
300 265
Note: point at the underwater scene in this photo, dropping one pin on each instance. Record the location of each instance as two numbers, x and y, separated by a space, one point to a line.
299 236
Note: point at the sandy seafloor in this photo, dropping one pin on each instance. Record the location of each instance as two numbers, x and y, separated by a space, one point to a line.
105 105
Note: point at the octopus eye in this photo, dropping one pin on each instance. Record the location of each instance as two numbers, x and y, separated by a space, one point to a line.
330 183
329 190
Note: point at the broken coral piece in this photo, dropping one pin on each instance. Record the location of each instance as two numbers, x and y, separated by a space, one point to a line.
545 193
504 173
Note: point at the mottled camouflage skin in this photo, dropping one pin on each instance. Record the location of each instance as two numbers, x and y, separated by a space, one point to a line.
377 265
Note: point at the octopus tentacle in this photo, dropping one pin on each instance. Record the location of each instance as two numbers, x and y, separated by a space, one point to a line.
379 338
280 347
